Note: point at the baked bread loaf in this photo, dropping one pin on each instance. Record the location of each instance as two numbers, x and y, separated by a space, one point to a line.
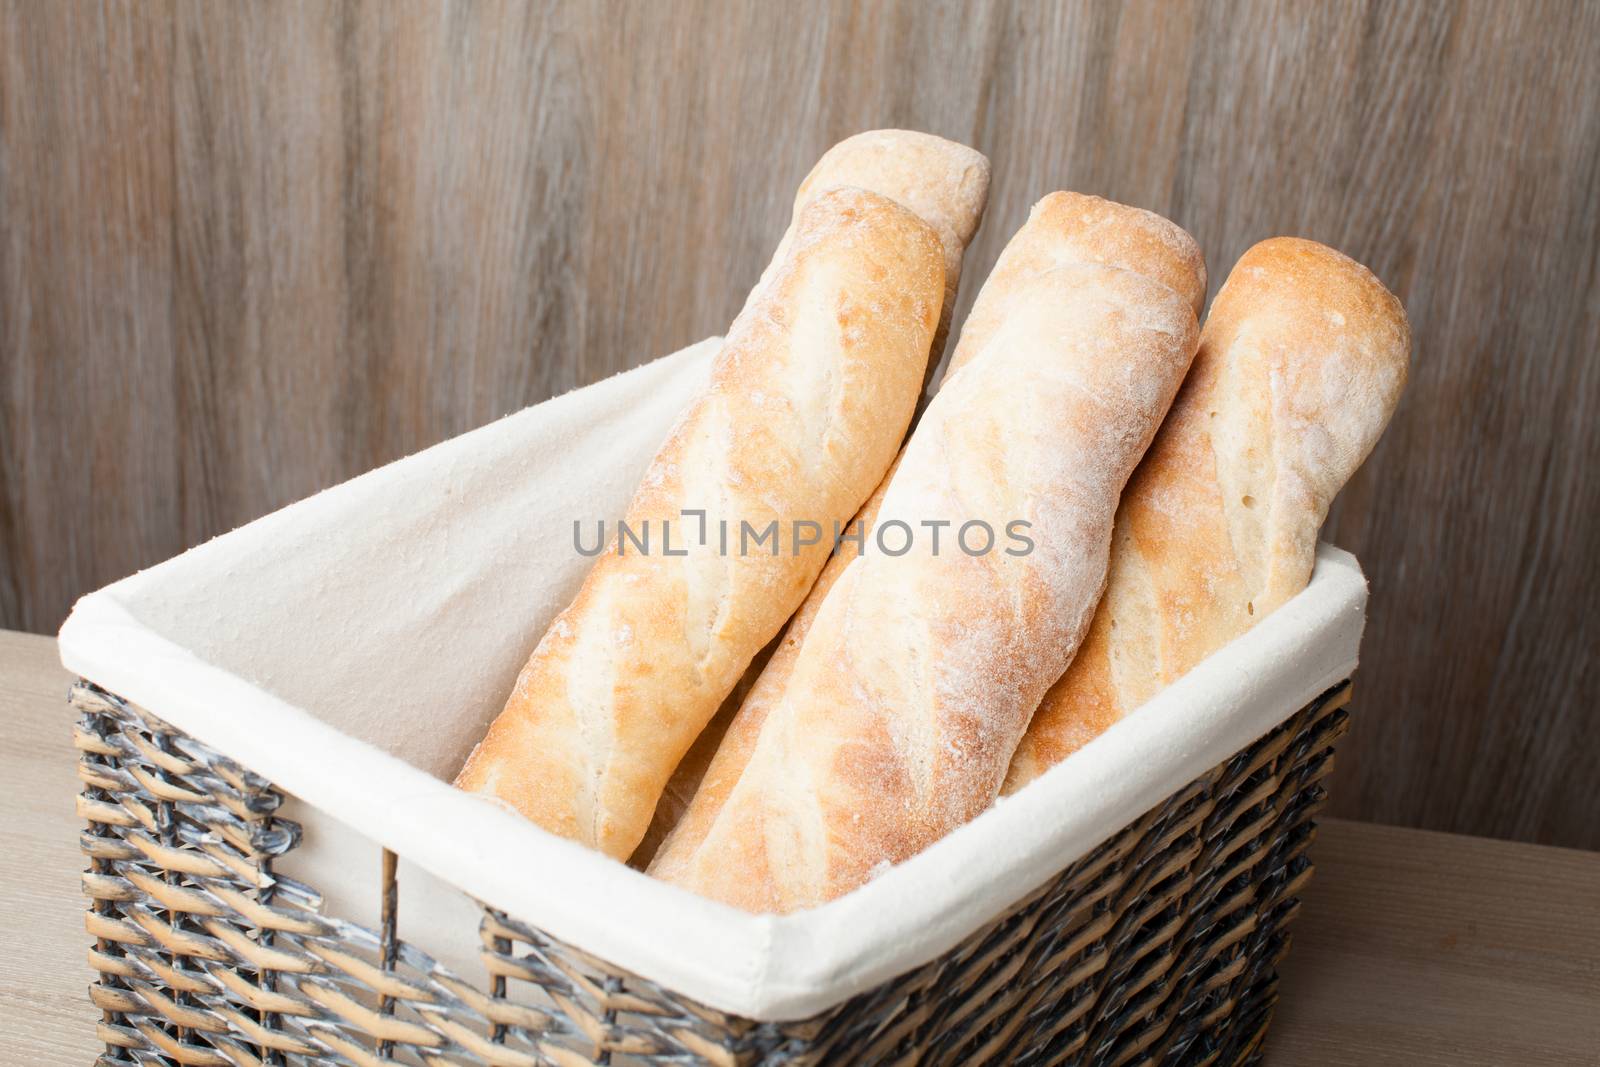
1062 228
1301 363
947 185
806 405
919 671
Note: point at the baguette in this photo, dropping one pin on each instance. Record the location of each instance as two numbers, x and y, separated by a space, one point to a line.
917 675
1062 228
807 402
1300 366
947 185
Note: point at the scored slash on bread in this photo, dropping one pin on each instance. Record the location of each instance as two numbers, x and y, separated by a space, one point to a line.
943 183
716 779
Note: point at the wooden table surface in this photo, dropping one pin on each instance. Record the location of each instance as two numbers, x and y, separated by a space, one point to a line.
1413 947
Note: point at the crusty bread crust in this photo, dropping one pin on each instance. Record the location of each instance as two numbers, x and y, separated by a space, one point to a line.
944 183
919 672
1062 228
807 403
947 185
1067 227
738 740
1301 363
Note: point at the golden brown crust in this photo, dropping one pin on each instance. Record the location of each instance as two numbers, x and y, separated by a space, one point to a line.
807 403
1300 366
732 751
918 673
944 183
1069 227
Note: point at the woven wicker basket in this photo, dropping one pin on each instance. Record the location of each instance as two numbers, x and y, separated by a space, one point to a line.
1160 946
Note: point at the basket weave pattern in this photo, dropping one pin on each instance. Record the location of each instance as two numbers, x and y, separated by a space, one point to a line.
1158 947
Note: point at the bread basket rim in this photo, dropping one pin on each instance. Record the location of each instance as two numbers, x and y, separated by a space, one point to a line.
762 967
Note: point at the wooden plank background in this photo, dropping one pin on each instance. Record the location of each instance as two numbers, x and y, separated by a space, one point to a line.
250 250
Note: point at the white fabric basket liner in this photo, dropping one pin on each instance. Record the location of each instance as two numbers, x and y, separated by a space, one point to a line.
353 647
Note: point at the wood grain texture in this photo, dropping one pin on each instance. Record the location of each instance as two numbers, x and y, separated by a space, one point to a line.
45 1015
1412 948
247 251
1433 950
